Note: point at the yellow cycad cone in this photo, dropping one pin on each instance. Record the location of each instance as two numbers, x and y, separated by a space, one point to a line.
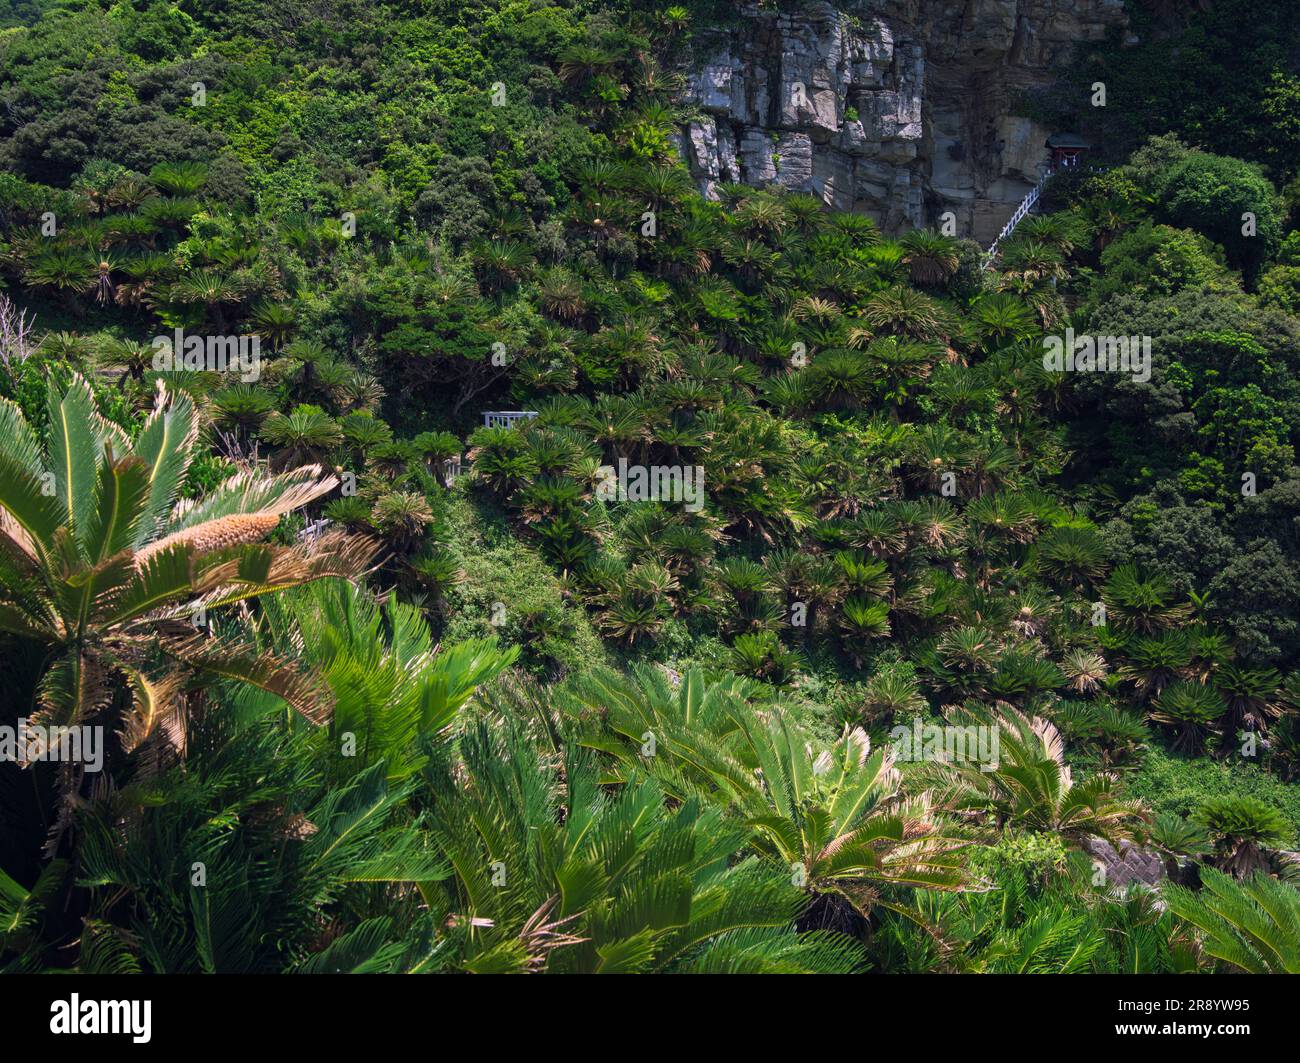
219 534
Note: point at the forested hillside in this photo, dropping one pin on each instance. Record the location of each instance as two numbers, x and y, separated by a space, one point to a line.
475 548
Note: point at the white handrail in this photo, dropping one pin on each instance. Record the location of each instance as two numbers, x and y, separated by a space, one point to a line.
1026 205
313 530
506 418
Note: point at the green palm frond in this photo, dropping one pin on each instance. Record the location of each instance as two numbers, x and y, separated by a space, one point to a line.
1251 926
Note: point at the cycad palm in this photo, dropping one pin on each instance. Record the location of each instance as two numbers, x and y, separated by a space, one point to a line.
554 874
1243 829
1252 926
1142 602
64 270
392 685
897 364
307 434
105 567
931 257
209 288
834 816
1191 709
1002 318
861 619
1027 925
839 819
1031 787
1072 554
906 312
179 178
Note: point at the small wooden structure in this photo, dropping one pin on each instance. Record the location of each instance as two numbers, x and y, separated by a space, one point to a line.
1068 150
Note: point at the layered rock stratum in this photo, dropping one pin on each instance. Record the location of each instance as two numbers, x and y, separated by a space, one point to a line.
900 109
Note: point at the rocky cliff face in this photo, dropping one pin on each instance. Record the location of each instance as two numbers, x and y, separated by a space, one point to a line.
900 109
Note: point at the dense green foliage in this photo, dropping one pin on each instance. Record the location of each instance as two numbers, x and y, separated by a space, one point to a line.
544 726
1221 75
